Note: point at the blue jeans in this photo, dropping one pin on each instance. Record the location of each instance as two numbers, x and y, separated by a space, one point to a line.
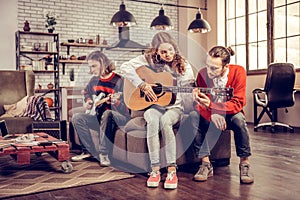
161 120
82 123
207 135
110 121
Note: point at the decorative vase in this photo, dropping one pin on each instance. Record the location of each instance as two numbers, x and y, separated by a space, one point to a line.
50 30
26 26
50 86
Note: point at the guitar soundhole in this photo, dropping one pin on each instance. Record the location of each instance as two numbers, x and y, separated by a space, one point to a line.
157 89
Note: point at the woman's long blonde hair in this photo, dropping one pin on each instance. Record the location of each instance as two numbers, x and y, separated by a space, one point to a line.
178 63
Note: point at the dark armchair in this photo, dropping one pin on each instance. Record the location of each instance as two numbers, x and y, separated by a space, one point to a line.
277 93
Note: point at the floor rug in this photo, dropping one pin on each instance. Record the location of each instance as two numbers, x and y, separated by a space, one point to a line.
44 173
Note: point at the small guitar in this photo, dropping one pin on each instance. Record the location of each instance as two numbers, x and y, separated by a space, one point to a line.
163 87
99 100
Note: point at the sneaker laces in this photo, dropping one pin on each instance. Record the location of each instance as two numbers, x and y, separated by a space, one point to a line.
153 173
171 175
244 170
201 169
105 158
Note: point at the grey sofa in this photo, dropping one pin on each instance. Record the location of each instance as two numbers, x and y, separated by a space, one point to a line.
14 86
130 145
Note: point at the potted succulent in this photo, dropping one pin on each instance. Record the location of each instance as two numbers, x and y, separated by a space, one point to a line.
50 21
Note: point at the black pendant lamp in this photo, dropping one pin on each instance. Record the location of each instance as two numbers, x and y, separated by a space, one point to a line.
123 18
161 22
199 25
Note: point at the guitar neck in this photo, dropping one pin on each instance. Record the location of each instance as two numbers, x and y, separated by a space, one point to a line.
187 89
101 101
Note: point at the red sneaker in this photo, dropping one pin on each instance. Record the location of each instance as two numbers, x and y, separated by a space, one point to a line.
154 179
171 181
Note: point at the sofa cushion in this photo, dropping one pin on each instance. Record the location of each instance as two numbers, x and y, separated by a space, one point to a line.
119 147
137 150
137 123
137 113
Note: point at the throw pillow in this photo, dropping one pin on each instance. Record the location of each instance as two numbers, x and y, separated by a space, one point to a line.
137 113
16 109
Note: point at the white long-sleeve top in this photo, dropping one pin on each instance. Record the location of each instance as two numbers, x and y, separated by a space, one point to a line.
128 70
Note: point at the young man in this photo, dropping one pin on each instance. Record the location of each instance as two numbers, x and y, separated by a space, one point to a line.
110 114
223 113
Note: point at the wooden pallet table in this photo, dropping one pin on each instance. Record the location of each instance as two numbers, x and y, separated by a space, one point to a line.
43 142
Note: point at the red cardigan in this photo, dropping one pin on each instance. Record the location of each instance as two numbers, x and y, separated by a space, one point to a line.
236 80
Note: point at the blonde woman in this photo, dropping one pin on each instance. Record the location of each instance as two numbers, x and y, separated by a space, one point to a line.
163 55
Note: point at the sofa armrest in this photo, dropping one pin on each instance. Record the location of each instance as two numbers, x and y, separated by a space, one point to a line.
75 110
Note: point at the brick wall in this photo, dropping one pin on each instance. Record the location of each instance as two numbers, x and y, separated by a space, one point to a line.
86 19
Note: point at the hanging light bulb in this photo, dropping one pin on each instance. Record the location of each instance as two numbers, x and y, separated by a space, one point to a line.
161 22
199 25
123 18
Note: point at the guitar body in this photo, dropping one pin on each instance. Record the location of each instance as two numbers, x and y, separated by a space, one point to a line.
98 104
136 100
162 85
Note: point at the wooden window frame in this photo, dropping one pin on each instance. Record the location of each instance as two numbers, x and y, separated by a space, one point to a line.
270 33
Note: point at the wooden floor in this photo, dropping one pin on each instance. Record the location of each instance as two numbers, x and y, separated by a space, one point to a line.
275 164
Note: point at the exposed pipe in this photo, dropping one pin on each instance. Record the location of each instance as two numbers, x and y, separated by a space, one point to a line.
174 5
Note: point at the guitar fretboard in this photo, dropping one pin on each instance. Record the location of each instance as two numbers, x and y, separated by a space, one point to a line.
212 91
187 90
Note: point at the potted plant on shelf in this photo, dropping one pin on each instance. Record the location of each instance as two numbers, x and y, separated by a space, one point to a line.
50 21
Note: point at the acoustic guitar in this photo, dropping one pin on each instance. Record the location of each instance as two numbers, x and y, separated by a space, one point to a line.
163 87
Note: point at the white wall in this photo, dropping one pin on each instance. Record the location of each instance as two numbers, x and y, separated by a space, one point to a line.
86 19
193 45
8 24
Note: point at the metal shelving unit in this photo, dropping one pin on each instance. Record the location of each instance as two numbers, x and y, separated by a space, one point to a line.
52 38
